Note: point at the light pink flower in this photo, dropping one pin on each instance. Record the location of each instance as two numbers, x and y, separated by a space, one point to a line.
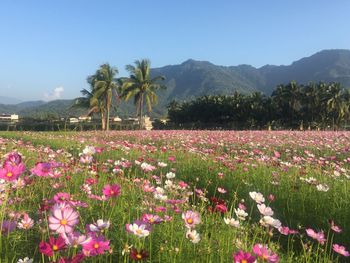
62 220
341 250
191 218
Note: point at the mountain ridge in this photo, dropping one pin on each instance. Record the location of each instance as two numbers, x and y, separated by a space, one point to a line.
193 78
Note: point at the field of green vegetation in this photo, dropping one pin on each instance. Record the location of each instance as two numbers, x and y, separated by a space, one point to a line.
174 196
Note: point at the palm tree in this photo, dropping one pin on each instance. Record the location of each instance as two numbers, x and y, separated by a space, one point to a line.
104 86
141 86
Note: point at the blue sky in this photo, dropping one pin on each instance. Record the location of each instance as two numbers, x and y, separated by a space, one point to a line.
48 48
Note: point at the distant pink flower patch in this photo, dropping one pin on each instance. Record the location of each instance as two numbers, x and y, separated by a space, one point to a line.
111 190
341 250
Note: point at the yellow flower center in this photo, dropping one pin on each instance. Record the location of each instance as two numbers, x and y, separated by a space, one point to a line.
9 174
96 245
139 256
55 247
63 222
151 220
111 192
139 231
244 261
190 220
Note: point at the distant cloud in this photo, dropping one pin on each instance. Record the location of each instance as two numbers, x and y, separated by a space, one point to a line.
54 95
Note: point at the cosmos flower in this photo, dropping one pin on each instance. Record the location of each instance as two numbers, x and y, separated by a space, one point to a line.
265 254
139 228
341 250
191 218
11 173
26 222
240 213
54 245
138 255
193 236
75 239
99 226
319 236
265 210
96 246
111 190
232 222
257 197
243 257
62 220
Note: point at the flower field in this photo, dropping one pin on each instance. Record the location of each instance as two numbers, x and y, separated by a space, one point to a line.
175 196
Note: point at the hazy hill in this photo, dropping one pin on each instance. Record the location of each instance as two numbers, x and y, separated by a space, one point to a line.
196 78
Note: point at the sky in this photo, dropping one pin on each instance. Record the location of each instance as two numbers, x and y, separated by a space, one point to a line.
49 47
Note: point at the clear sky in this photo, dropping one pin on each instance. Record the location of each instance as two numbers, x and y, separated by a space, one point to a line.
49 47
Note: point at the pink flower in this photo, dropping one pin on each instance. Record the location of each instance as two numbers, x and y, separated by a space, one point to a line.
62 220
26 222
243 257
43 169
319 236
75 239
334 227
96 246
111 190
11 173
191 218
54 245
222 190
341 250
284 230
264 253
221 208
61 197
151 219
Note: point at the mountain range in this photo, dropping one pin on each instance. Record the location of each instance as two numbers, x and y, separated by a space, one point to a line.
197 78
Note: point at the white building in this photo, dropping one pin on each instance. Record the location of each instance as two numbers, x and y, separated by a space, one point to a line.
9 117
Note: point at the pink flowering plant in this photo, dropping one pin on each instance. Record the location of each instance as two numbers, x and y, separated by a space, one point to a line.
165 196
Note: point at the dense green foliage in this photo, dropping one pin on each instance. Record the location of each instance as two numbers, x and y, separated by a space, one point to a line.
290 106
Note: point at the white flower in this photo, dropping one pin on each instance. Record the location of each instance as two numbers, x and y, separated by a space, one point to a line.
138 230
322 187
161 164
99 226
25 260
241 214
270 221
232 222
89 150
265 210
257 197
193 236
221 190
170 175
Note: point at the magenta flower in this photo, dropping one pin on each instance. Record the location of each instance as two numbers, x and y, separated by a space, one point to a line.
61 197
43 169
111 190
319 236
54 245
62 220
265 254
96 246
341 250
191 218
11 173
243 257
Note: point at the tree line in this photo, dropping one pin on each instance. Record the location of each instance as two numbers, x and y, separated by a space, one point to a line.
290 106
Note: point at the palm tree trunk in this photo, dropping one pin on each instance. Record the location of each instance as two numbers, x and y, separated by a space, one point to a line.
103 121
108 110
141 111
